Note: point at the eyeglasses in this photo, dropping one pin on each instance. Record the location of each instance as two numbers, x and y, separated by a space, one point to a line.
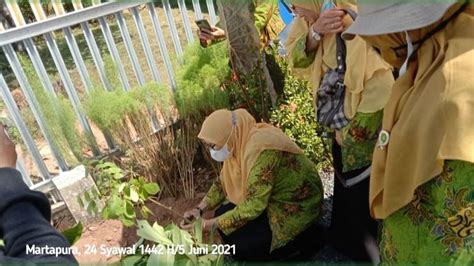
208 145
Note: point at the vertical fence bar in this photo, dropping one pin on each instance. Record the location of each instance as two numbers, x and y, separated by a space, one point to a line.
70 89
197 9
96 56
25 134
39 66
12 58
130 49
109 39
73 47
133 57
20 166
211 11
146 45
98 62
63 72
187 24
174 31
32 52
32 102
161 41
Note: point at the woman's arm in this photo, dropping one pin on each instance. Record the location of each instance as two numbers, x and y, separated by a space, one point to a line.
311 43
259 188
214 196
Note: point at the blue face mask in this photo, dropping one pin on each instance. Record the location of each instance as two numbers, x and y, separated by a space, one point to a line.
327 4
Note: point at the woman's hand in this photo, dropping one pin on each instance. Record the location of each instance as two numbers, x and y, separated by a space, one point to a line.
185 225
329 22
192 214
211 35
208 225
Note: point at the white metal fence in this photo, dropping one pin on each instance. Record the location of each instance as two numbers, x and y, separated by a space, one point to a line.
44 30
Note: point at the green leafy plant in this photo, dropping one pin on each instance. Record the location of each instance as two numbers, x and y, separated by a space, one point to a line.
73 234
296 117
88 201
124 193
111 72
172 246
247 91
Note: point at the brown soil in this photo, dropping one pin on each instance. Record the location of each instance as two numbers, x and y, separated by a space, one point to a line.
112 233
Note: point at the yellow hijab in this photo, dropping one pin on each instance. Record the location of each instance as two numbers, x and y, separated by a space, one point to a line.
368 78
430 115
247 141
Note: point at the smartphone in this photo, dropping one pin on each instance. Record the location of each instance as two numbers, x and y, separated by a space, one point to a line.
203 24
328 4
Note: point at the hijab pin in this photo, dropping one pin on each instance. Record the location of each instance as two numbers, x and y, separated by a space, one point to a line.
384 138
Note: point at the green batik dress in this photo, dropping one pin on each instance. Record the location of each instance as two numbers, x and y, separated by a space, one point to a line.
437 227
286 185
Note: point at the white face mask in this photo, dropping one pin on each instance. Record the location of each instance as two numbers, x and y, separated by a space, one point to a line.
221 155
224 153
411 49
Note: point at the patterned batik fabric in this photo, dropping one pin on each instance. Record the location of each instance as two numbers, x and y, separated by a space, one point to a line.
286 185
359 138
437 227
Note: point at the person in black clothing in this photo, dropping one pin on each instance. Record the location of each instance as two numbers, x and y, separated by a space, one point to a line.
25 216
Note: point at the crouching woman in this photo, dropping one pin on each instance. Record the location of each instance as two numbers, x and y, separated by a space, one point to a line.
269 193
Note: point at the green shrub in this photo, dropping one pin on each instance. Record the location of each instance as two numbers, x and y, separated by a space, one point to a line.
108 109
155 96
112 72
58 114
248 92
126 115
296 117
199 79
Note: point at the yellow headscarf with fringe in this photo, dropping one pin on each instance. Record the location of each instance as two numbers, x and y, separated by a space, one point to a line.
247 141
368 78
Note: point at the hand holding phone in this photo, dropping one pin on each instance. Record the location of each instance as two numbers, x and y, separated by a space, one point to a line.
203 24
208 33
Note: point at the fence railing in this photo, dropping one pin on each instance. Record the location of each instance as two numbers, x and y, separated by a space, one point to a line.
100 17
